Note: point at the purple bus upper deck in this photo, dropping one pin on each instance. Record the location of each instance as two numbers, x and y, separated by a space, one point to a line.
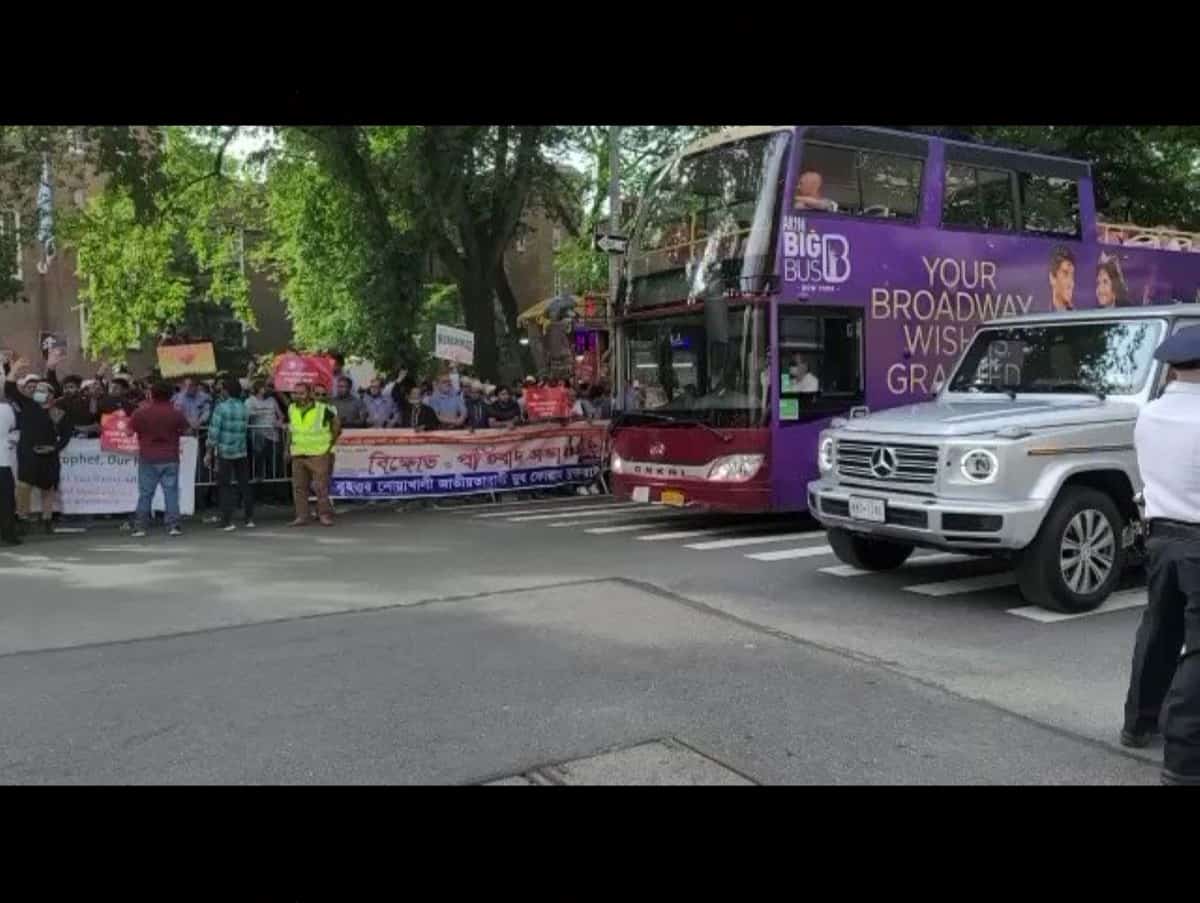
778 277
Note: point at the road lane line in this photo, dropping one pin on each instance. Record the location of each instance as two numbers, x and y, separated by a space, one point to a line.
1130 598
526 518
517 506
849 570
622 528
555 511
754 540
683 534
784 554
966 585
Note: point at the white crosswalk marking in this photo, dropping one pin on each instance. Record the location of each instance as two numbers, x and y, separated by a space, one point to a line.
754 540
784 554
849 570
966 585
555 511
622 528
682 534
515 506
574 516
1130 598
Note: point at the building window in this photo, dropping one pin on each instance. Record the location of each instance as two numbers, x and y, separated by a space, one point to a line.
858 182
10 241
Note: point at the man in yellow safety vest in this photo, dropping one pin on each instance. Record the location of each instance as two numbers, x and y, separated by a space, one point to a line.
314 428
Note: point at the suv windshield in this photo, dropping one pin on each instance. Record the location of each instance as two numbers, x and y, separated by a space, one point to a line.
1111 358
707 224
709 366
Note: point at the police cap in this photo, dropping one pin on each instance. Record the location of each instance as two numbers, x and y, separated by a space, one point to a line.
1181 349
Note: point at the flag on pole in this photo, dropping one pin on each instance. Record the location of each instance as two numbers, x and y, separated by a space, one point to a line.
45 208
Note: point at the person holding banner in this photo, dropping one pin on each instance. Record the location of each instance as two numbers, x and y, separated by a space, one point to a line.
45 431
415 414
314 430
8 499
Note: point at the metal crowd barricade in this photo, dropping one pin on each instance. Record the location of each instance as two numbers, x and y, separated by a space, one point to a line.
265 445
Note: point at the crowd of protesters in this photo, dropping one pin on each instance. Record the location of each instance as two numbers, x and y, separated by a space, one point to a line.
248 429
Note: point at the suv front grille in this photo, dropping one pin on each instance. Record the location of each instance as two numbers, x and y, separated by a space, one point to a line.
868 461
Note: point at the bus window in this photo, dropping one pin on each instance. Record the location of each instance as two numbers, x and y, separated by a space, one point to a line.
858 182
820 362
979 198
1049 205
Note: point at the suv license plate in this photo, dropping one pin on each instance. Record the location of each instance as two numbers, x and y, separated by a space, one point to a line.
873 510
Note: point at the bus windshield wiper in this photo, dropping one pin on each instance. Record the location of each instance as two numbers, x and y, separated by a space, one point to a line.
690 421
992 387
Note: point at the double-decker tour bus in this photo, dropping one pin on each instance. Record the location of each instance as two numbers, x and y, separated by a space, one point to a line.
780 276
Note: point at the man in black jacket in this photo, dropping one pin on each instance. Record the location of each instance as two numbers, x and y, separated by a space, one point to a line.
416 415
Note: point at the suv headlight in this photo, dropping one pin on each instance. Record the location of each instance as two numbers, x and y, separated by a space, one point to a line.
827 454
735 468
980 466
617 463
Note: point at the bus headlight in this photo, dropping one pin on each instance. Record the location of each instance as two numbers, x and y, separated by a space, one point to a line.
827 455
979 466
618 465
735 468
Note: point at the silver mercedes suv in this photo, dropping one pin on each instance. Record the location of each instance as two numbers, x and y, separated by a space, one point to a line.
1026 452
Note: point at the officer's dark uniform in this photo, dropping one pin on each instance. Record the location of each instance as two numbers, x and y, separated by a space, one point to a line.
1164 686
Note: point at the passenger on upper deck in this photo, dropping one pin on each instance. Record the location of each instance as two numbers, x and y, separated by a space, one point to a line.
1062 279
808 193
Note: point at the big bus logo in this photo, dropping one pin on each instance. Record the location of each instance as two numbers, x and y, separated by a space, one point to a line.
812 257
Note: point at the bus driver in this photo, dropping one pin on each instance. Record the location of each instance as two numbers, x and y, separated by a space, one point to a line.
803 380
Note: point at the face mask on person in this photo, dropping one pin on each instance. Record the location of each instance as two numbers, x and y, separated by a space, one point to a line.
41 397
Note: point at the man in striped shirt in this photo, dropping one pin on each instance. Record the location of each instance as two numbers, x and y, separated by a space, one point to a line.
227 444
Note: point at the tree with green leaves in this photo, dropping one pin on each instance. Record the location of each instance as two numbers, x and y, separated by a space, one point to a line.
1148 175
579 201
143 261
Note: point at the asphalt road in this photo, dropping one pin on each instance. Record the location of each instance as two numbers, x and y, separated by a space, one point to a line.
479 644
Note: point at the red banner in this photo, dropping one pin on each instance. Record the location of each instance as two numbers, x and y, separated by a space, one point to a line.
293 369
116 435
546 403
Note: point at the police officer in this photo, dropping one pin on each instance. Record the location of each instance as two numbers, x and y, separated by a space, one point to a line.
1164 686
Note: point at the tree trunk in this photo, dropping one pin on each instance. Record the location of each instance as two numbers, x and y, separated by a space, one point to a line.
508 304
477 292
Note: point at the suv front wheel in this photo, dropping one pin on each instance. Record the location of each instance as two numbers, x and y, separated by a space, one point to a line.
1077 557
867 553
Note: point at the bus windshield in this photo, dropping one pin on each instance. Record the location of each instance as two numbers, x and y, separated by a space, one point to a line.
1093 358
710 366
706 226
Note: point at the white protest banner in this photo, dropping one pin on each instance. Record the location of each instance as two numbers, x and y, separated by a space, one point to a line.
456 345
92 481
399 463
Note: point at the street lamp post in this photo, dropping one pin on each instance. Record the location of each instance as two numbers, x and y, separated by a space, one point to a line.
614 260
